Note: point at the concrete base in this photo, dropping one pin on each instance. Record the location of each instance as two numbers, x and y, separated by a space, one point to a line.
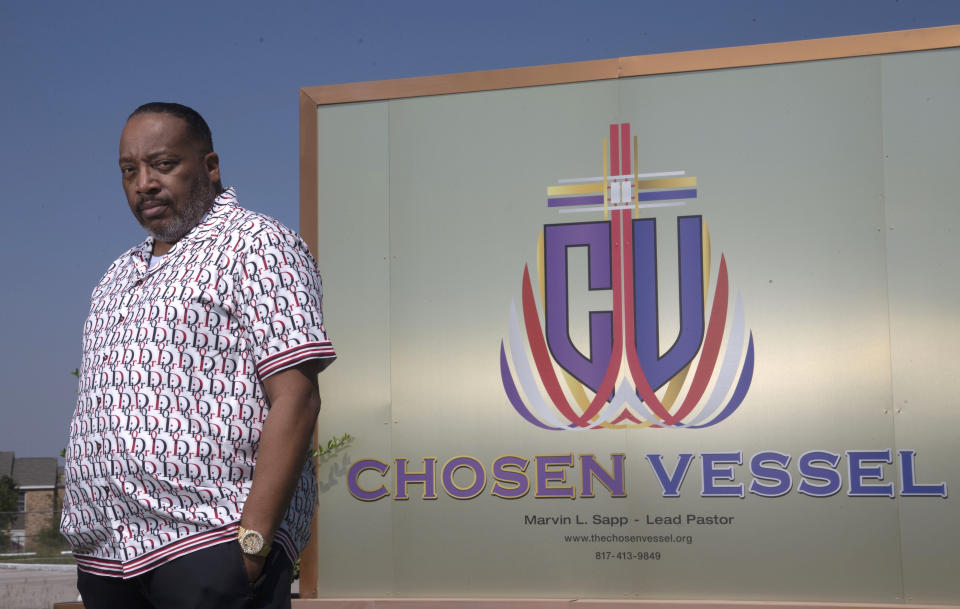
508 603
36 589
513 603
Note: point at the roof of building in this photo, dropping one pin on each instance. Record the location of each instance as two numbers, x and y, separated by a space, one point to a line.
35 471
6 463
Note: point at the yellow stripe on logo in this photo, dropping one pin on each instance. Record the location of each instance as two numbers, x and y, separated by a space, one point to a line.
666 183
574 189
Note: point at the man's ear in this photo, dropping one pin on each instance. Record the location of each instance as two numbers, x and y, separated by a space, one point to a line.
212 164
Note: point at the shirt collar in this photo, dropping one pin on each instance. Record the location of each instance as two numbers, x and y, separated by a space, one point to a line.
211 220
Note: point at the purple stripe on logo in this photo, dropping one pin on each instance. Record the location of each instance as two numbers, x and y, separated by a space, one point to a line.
565 201
660 195
668 195
512 393
746 376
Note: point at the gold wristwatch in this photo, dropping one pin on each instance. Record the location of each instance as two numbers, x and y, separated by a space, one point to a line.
251 542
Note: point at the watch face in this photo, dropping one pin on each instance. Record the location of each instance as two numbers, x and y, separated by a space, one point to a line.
251 542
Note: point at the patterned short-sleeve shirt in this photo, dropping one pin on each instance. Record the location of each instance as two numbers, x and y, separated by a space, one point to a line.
171 403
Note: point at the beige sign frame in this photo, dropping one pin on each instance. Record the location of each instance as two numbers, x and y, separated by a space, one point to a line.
608 69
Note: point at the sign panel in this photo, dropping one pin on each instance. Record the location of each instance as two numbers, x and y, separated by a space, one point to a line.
678 336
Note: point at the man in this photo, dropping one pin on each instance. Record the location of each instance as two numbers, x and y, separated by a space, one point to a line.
186 478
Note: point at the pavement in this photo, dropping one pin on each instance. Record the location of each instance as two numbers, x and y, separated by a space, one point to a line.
36 586
40 586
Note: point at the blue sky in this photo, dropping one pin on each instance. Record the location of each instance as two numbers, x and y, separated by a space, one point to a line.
70 72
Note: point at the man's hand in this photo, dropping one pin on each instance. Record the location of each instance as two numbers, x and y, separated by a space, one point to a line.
254 565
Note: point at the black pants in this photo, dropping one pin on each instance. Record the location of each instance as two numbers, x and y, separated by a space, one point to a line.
212 578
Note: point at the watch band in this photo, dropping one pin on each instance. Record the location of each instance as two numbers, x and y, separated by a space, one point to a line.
251 542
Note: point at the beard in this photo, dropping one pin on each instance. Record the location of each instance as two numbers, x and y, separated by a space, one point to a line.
201 196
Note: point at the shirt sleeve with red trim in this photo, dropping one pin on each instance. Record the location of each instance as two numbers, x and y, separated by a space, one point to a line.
281 303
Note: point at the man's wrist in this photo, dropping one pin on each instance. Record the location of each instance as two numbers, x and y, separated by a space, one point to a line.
253 542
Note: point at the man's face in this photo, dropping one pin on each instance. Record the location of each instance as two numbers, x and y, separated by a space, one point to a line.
168 178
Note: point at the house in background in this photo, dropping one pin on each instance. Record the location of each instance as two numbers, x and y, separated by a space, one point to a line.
40 484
